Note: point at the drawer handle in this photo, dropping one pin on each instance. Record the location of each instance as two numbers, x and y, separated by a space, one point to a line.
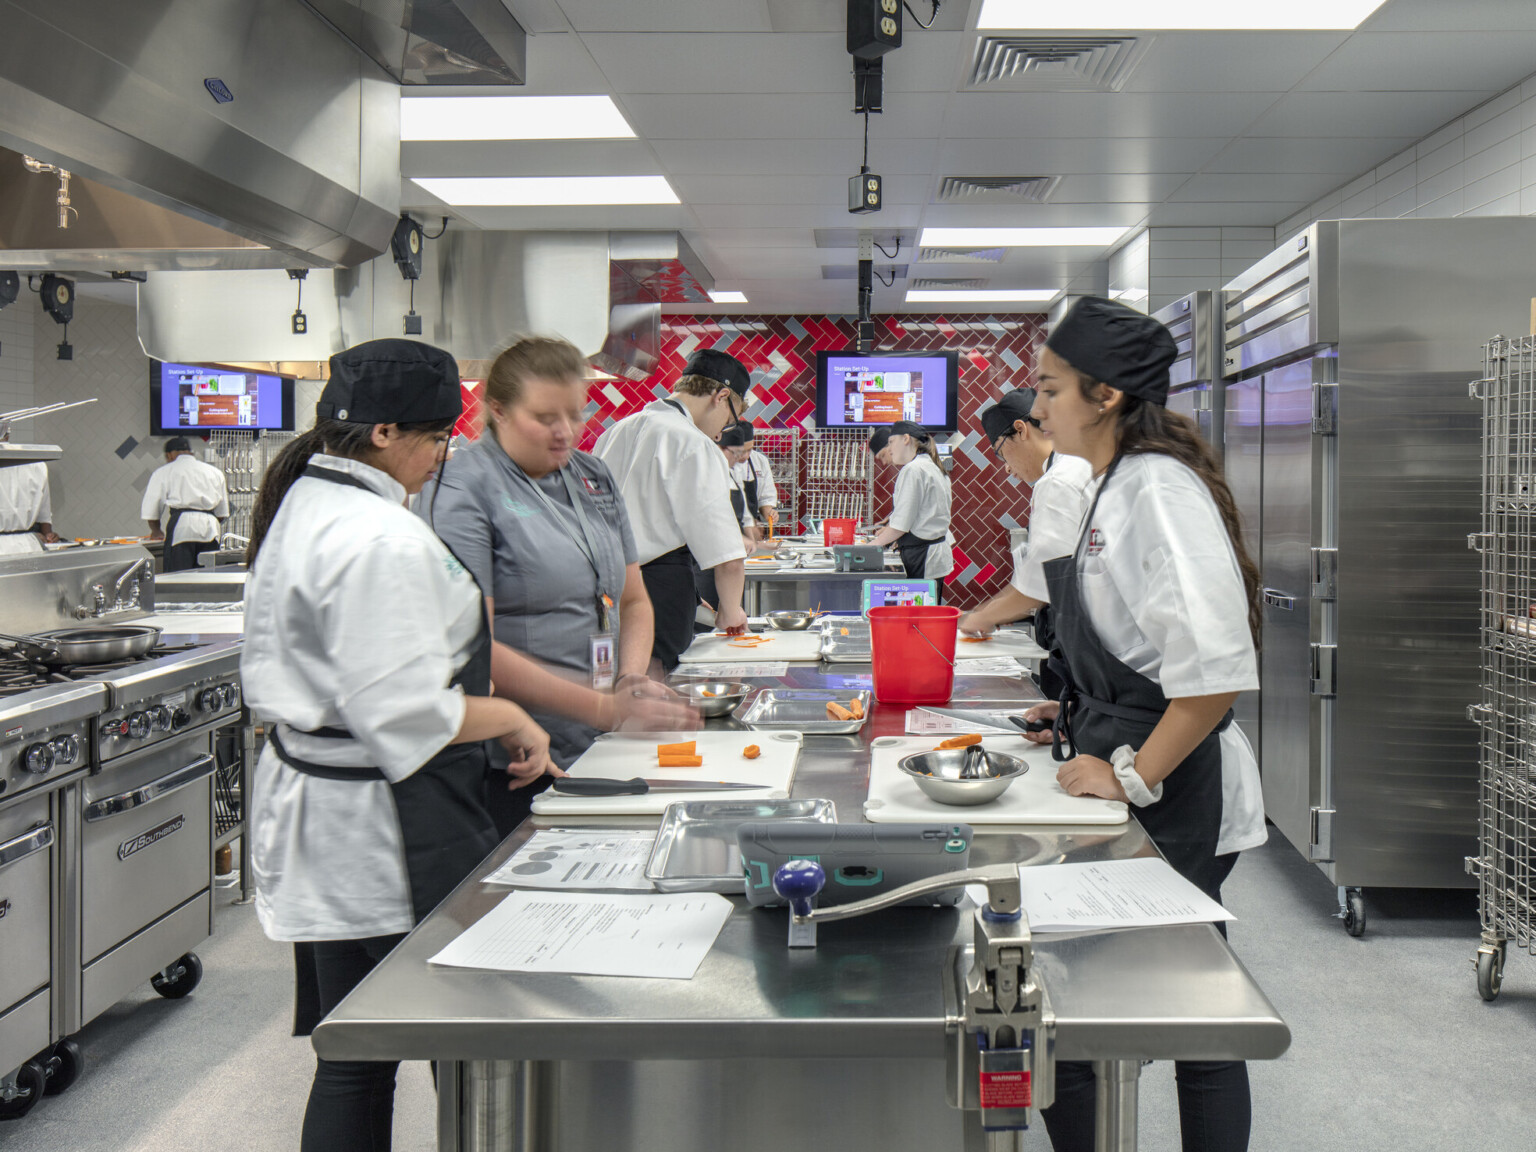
1276 599
127 801
29 842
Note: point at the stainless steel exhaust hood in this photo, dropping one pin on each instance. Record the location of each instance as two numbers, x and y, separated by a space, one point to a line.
433 41
252 118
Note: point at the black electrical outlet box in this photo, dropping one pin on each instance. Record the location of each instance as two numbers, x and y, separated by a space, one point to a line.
874 27
864 192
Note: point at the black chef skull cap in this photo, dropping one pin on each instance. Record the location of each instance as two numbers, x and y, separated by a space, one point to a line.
734 436
392 382
177 444
908 428
878 439
998 420
1119 346
721 367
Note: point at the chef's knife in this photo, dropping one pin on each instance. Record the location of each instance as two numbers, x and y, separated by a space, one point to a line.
599 786
1031 725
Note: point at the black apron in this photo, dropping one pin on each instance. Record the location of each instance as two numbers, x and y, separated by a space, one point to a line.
749 487
671 583
1107 705
444 825
914 554
183 557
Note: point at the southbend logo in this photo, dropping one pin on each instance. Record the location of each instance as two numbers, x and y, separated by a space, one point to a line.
153 836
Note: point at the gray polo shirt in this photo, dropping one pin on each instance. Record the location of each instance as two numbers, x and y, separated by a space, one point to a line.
525 554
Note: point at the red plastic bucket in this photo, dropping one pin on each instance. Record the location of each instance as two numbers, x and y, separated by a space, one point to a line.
838 531
914 653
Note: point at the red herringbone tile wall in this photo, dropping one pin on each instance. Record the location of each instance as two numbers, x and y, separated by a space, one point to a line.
997 354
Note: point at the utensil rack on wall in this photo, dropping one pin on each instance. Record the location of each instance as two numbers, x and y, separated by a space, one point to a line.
837 480
244 460
782 448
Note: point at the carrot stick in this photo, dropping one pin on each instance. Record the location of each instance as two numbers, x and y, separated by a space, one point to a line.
856 709
688 748
959 742
837 712
680 761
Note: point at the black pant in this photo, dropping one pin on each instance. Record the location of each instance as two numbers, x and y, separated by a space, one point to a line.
1215 1109
669 581
183 557
352 1102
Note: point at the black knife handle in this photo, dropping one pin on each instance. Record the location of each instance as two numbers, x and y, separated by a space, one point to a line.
1031 725
597 786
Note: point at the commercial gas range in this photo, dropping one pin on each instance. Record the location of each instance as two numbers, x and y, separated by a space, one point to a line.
107 822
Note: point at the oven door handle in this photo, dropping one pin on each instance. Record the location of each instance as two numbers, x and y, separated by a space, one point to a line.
127 801
31 841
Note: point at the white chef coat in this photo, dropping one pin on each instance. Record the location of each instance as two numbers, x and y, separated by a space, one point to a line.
920 505
1163 591
357 617
676 485
756 465
186 482
24 501
1057 504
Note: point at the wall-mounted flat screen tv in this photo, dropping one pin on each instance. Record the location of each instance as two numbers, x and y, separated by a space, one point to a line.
859 390
199 398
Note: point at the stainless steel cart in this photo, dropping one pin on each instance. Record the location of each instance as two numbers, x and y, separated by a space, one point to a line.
1505 865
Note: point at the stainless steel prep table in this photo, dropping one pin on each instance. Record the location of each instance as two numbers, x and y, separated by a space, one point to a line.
806 588
766 1046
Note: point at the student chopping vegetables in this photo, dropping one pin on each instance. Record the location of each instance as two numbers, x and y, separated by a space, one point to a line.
919 520
1156 612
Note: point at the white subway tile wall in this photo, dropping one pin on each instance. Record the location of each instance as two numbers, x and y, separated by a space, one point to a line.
1480 164
16 361
1185 259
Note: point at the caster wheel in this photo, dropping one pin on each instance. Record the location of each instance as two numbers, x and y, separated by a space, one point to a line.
30 1079
1354 914
63 1066
180 978
1490 972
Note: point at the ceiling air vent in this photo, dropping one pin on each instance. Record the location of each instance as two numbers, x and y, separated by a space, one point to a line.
947 282
997 189
960 255
851 271
1054 63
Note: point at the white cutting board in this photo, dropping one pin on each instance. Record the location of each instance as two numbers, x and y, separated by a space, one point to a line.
622 756
1019 645
894 798
707 648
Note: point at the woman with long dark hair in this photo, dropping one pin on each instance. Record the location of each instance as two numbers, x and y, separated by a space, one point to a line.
368 656
1156 614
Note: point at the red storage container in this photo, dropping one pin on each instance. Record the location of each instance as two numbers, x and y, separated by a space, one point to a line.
837 531
914 653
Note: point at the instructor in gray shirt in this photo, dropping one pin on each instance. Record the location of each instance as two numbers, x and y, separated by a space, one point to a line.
542 528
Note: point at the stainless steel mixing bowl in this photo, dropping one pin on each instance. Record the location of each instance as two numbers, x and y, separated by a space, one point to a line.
790 619
945 776
713 697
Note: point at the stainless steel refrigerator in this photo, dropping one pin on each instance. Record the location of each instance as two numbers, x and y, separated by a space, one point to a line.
1353 450
1196 392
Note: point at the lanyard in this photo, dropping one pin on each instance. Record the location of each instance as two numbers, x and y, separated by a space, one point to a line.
1087 529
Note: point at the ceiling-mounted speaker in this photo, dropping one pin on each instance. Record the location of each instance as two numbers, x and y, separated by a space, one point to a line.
59 298
874 27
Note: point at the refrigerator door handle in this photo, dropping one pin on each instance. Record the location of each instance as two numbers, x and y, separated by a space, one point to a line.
1277 599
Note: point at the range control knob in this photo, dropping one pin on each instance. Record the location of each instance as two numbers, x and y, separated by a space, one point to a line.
38 758
136 725
227 695
208 700
160 718
66 749
180 719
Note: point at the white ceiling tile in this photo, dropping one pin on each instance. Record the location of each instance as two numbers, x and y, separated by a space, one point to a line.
1230 61
1342 155
667 15
528 158
1232 187
830 215
557 218
1102 114
1113 187
778 116
1255 213
792 157
820 190
1452 16
1314 114
1032 215
1400 61
1053 157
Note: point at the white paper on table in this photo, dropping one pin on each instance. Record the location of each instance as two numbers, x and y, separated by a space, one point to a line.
595 860
1140 893
729 671
990 666
921 722
662 935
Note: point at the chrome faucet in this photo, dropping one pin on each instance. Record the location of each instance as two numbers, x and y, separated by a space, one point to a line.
135 572
98 605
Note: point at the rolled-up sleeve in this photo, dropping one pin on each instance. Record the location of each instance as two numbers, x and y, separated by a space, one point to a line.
385 622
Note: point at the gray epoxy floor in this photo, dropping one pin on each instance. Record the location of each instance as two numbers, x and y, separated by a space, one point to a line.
1393 1049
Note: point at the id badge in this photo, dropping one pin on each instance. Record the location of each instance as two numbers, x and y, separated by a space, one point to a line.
603 660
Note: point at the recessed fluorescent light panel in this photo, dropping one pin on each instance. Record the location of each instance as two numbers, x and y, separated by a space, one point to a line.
541 191
512 118
1176 15
1020 237
728 297
982 295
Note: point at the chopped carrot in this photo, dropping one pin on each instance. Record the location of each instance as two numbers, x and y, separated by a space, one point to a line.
751 751
959 742
856 709
842 631
681 761
836 711
974 639
707 692
687 748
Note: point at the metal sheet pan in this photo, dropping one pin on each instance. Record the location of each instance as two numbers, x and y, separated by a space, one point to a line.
696 850
800 710
853 648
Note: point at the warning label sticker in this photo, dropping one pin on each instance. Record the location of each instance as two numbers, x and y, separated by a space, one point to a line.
1005 1090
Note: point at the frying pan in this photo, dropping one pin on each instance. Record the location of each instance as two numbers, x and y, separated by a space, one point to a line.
103 644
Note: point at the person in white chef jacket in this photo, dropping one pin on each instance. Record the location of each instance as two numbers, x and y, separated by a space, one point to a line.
1058 498
26 509
755 476
677 488
1155 610
919 521
195 496
368 656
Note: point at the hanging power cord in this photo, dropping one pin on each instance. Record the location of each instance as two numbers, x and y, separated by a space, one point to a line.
883 252
865 166
440 231
884 281
913 14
